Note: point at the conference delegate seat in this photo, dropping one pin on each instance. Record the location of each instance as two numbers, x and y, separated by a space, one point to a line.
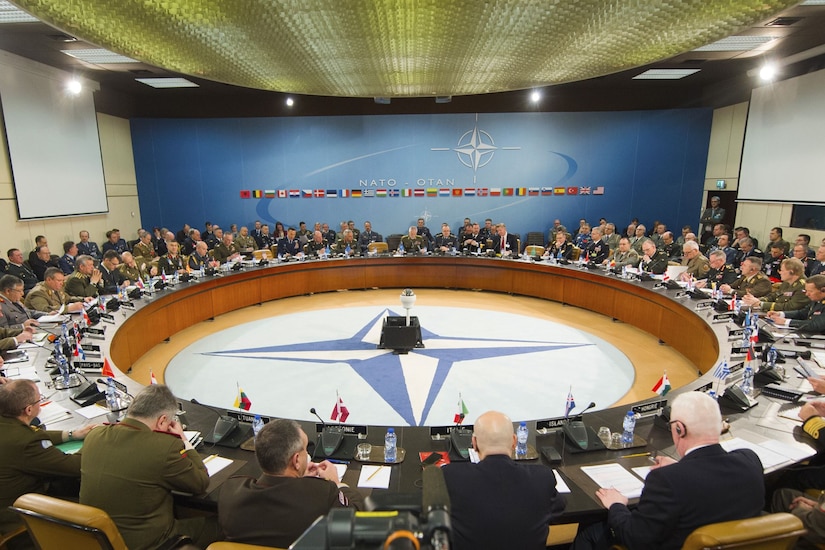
56 524
11 536
378 248
769 532
393 241
534 250
535 238
263 254
577 252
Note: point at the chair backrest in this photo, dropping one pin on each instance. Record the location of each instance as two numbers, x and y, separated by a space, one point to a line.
768 532
577 252
378 248
262 254
56 523
535 237
533 250
393 241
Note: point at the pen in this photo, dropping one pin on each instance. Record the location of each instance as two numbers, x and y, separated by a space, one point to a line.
636 455
337 461
208 458
375 473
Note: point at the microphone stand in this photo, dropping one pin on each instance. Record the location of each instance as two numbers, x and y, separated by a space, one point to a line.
331 436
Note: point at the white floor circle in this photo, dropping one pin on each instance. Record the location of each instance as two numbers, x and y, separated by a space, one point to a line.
288 364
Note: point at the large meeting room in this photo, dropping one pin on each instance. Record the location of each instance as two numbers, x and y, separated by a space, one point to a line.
499 274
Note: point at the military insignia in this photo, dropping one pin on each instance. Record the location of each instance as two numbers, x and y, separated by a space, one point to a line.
45 443
342 498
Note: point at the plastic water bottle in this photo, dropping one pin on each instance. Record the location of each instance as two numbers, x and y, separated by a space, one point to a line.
521 440
111 395
624 272
628 427
390 446
257 425
747 381
713 395
63 366
772 355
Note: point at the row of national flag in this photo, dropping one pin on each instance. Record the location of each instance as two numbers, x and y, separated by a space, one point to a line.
384 192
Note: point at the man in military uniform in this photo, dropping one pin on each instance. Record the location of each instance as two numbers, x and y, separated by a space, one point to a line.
773 261
356 233
713 215
29 460
42 261
49 296
747 249
130 469
227 251
188 245
12 311
114 242
424 232
245 243
86 280
199 259
775 237
145 248
136 269
303 233
789 296
669 246
329 234
610 236
719 272
639 239
17 268
368 237
290 246
653 260
347 241
817 265
697 264
723 244
317 245
445 241
88 248
412 242
624 255
752 280
488 231
473 242
171 262
597 251
10 338
66 261
810 319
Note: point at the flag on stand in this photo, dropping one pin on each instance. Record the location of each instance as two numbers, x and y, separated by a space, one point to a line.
242 401
722 371
78 351
339 411
462 411
662 386
106 371
571 403
152 379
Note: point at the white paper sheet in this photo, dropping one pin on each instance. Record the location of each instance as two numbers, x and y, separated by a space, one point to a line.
561 486
92 411
641 471
616 476
769 458
375 477
215 464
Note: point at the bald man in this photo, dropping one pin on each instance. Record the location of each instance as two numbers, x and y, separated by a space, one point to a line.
499 503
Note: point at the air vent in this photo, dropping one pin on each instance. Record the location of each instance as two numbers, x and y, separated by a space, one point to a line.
784 21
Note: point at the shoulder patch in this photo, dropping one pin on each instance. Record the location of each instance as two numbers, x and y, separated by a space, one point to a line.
45 443
342 498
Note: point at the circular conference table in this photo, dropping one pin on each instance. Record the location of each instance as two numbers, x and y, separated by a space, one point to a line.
672 320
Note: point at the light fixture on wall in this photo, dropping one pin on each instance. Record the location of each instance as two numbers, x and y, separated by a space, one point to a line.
535 96
768 72
73 87
382 100
289 102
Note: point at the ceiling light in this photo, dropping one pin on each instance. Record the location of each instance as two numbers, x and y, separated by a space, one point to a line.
443 98
12 14
382 100
99 56
736 44
665 74
535 97
174 82
767 72
290 102
74 87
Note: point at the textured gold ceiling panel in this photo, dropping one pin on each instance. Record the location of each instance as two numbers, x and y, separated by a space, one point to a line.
400 48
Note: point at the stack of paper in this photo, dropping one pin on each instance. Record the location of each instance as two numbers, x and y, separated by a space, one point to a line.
617 477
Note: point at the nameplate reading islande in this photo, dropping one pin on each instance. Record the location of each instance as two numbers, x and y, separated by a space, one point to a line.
447 430
551 423
352 429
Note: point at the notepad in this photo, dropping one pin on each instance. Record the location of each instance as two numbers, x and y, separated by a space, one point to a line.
215 464
92 411
617 477
375 477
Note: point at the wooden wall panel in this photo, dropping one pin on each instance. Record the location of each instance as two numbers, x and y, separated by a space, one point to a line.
236 294
638 311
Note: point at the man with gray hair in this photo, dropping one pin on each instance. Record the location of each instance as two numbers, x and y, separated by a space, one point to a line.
525 497
291 492
720 272
697 264
130 469
708 485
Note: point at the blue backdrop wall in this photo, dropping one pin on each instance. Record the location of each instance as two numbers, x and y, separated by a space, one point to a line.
524 169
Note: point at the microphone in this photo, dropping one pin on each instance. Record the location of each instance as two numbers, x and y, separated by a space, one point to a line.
578 434
224 426
461 439
331 436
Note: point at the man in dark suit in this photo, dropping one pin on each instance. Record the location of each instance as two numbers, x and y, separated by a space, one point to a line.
708 485
130 469
505 244
20 270
367 237
525 496
290 493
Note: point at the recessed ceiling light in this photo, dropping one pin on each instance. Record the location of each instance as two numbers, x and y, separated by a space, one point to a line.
736 44
172 82
10 13
535 97
290 102
665 74
99 56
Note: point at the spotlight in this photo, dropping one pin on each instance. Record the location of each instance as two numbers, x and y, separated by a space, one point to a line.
767 72
74 87
290 102
535 97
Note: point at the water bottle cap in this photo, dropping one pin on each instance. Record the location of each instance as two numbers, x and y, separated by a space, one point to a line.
523 424
391 430
257 417
630 413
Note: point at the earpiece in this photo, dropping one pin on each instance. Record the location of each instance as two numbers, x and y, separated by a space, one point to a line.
681 429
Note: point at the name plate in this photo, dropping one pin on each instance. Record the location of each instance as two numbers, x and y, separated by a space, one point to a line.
551 423
121 387
744 350
107 320
349 429
243 416
737 367
107 316
730 315
447 430
736 331
707 387
97 365
90 347
650 407
100 331
127 305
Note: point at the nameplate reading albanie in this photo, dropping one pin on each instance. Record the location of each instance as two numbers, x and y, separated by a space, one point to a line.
551 423
447 430
650 407
247 417
349 429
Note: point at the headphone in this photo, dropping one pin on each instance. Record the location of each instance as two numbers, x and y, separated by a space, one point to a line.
681 429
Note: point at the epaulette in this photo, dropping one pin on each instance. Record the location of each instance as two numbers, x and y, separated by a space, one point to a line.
813 425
